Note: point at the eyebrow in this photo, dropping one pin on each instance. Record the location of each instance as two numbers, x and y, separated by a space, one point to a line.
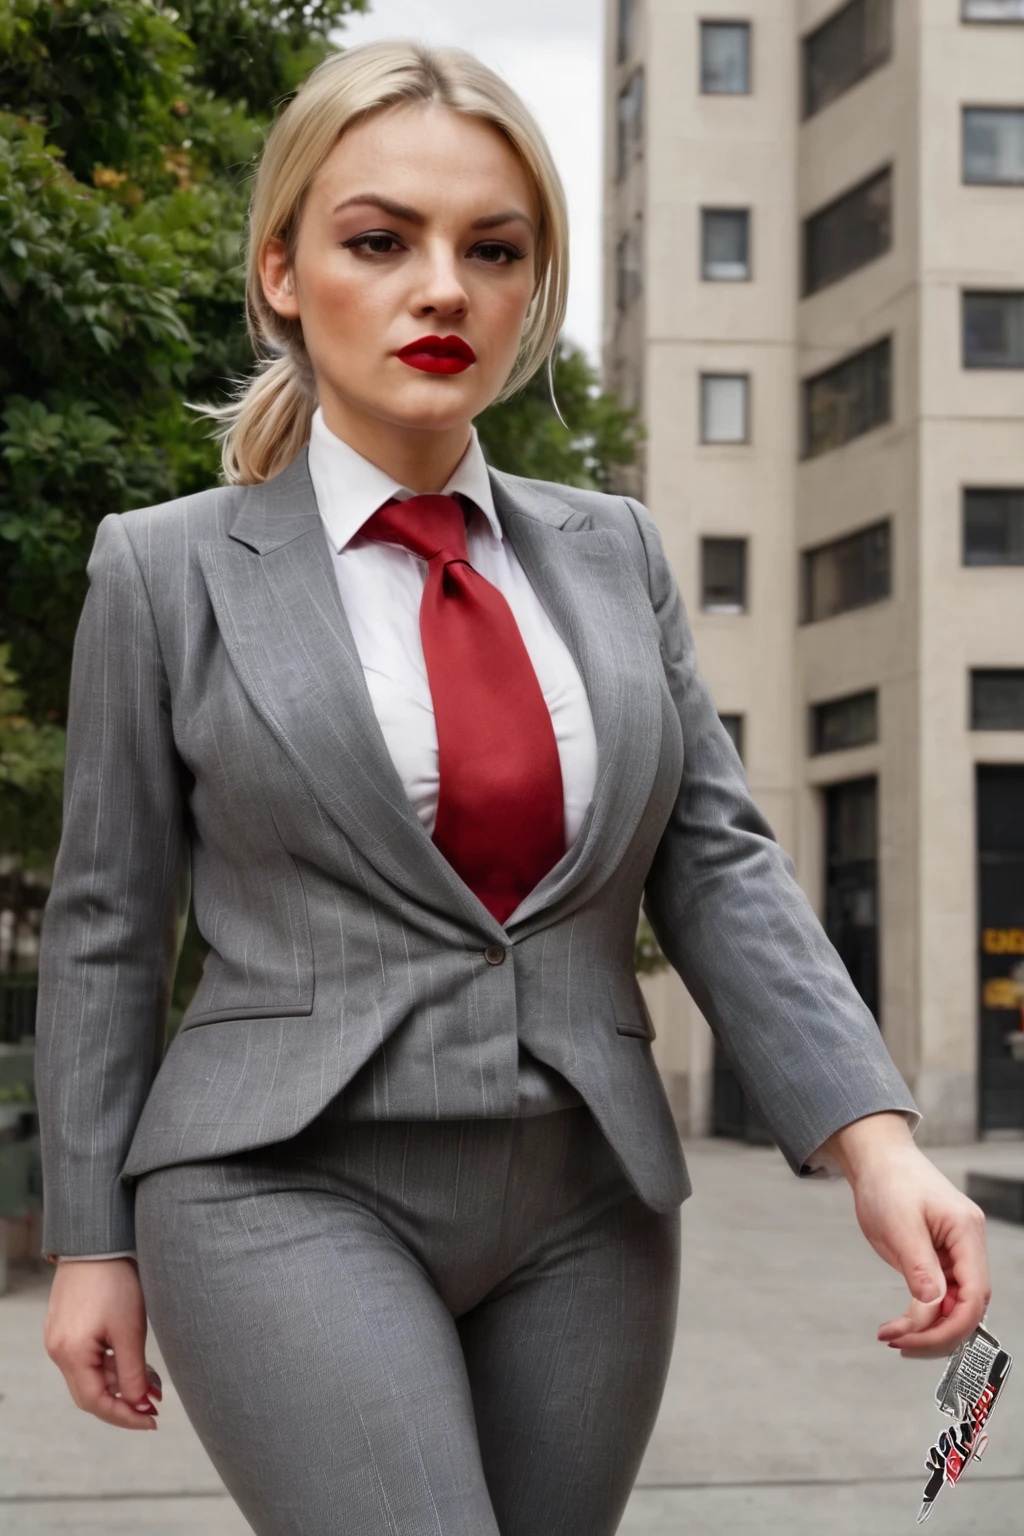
413 215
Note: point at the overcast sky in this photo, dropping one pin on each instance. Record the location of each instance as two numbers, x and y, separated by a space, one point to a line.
550 52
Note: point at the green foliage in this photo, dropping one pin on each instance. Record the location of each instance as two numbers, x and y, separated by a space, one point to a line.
524 436
31 774
128 134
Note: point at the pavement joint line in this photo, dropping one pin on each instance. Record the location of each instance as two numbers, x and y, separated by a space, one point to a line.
215 1493
121 1496
815 1482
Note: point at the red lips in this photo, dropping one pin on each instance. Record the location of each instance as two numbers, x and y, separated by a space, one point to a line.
438 354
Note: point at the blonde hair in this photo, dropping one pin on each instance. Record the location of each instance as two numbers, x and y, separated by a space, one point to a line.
267 423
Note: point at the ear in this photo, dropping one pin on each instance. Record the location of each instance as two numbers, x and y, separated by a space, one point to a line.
278 286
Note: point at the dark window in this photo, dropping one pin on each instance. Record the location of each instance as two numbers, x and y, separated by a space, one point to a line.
997 699
993 146
849 45
724 408
626 29
734 730
849 573
849 233
993 10
723 568
993 330
725 244
851 881
848 399
630 124
843 723
629 265
725 58
993 526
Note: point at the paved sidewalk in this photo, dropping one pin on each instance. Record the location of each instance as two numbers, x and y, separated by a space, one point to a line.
782 1413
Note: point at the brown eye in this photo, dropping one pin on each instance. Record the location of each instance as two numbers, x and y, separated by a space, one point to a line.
362 240
511 251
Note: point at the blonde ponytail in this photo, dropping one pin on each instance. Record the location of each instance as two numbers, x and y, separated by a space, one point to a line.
267 422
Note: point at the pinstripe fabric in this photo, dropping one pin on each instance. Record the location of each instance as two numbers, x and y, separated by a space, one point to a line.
221 738
443 1328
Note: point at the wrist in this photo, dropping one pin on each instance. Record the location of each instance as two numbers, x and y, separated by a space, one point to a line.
861 1144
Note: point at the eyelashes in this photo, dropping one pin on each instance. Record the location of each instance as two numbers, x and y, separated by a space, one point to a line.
513 252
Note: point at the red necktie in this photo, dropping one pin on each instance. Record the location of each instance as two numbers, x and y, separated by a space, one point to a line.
500 815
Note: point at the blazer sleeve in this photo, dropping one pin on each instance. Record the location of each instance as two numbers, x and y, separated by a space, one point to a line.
723 901
112 922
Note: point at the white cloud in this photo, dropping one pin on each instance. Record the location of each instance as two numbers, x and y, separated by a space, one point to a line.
550 54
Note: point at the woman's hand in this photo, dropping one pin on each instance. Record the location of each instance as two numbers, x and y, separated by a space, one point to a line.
95 1331
923 1226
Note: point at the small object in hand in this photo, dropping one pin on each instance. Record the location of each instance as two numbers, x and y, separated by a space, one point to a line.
971 1385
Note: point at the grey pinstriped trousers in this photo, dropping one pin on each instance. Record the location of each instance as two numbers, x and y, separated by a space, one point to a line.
429 1328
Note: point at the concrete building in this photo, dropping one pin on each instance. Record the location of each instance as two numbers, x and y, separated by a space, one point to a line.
814 256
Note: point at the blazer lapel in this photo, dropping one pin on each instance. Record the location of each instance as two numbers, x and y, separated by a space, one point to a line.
586 579
282 621
281 618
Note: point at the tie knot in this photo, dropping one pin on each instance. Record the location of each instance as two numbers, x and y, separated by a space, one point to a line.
427 525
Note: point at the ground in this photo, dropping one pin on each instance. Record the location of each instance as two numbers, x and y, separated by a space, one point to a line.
782 1413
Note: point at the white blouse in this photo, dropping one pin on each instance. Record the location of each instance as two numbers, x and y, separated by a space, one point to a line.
381 586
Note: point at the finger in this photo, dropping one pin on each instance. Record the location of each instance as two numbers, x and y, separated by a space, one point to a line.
86 1379
945 1333
128 1342
918 1316
920 1264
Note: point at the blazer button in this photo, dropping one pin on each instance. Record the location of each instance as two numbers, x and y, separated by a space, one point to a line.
494 954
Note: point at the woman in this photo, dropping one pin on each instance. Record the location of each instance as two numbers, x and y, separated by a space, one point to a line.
404 1193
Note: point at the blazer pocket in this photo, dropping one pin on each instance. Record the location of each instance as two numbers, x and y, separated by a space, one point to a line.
262 967
246 1011
629 1009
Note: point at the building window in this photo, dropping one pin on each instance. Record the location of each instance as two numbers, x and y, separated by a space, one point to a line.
993 330
629 265
724 408
993 10
630 141
848 233
723 575
847 399
626 30
725 58
843 723
725 244
733 726
848 573
852 43
993 526
993 146
997 699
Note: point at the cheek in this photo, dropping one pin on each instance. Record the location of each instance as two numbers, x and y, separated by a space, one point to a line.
505 309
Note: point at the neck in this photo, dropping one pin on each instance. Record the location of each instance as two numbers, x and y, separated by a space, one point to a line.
417 457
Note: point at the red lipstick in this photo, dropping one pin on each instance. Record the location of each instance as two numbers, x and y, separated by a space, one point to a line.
437 354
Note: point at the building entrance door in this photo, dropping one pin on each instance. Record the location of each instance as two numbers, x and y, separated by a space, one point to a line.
851 881
851 922
1000 803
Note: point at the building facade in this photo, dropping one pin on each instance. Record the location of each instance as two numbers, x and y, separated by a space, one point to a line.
814 294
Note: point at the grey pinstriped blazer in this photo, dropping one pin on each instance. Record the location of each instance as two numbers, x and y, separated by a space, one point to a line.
221 739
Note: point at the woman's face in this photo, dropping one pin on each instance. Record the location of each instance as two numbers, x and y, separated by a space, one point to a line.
421 222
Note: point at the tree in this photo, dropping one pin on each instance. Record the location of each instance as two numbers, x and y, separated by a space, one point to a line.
128 133
525 437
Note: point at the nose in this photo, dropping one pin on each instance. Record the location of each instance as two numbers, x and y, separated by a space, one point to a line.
441 289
